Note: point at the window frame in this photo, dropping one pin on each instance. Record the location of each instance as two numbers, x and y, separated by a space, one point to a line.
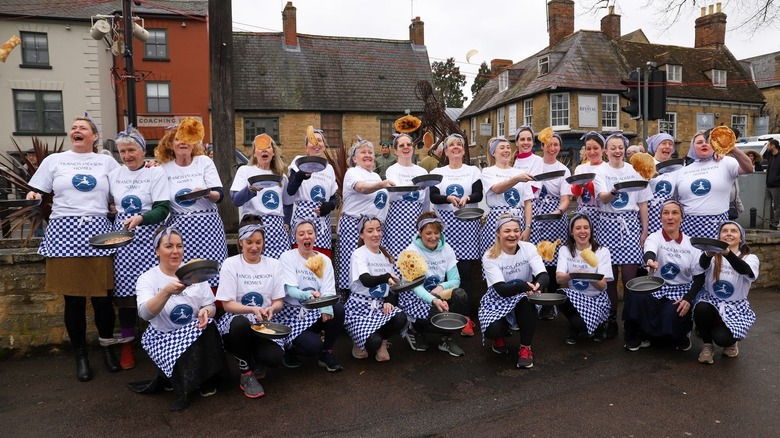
503 81
669 120
614 110
511 118
40 113
674 73
249 137
543 65
473 131
386 130
563 117
717 80
500 123
528 112
156 44
742 126
148 98
334 136
26 50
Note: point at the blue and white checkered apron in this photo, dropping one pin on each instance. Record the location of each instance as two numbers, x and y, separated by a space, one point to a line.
654 211
549 230
493 307
277 240
463 236
488 233
672 292
223 325
363 316
413 306
620 233
305 209
593 310
132 260
165 348
737 315
399 228
298 318
703 226
203 236
348 237
69 237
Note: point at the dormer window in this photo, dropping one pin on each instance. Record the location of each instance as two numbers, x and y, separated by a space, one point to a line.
503 81
543 65
718 78
674 73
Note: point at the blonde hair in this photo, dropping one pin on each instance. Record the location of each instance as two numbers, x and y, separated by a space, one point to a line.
495 250
277 161
163 153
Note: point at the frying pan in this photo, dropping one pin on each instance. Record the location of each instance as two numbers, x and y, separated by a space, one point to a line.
427 180
449 321
469 214
401 189
582 178
15 203
708 245
322 301
102 240
645 284
547 299
549 175
193 195
281 331
630 186
404 285
265 181
197 271
311 164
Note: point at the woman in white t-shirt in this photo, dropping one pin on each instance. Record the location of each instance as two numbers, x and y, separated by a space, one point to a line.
364 195
587 201
269 203
181 157
661 147
371 312
719 294
526 161
182 339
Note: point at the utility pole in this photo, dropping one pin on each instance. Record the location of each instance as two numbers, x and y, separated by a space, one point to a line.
127 17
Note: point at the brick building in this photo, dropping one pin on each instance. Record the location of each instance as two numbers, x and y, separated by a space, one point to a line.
765 72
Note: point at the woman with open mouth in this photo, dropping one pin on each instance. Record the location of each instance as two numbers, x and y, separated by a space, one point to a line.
661 147
267 202
587 201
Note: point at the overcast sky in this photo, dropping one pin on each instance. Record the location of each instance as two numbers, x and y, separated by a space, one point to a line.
510 29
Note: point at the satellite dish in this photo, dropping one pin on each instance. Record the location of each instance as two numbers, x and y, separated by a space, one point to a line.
469 54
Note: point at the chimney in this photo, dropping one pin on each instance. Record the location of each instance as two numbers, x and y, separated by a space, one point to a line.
417 32
710 27
610 25
560 20
499 65
289 25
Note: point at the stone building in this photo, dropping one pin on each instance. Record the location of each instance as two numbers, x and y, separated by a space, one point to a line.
765 72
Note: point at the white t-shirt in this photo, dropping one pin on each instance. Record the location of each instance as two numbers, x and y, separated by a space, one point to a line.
456 182
134 191
180 309
364 261
515 196
663 183
531 165
319 187
296 274
731 286
677 262
402 176
588 200
439 263
201 173
569 264
356 203
79 183
555 187
250 284
704 186
606 178
524 265
269 201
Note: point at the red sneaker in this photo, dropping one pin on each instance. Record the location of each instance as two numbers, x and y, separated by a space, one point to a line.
127 361
498 346
468 331
525 358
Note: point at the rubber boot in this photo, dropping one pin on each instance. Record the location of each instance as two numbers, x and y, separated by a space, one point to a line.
83 371
112 363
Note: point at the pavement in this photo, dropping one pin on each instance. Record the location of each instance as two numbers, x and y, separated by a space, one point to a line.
590 389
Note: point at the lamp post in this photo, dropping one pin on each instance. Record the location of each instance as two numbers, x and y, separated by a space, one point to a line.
127 15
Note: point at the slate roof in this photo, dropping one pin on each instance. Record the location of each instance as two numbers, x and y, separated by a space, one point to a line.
84 9
327 74
763 68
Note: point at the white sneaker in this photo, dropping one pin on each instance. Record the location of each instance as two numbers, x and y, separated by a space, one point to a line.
707 353
731 351
382 355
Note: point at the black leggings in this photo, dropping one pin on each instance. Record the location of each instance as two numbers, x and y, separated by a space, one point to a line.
458 303
249 349
465 268
309 343
629 273
711 327
570 312
76 318
395 325
525 314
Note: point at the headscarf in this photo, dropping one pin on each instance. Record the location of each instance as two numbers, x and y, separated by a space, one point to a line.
675 202
366 218
303 220
356 146
133 135
558 136
97 128
430 220
655 140
505 220
742 238
316 131
525 128
617 134
593 135
495 142
167 233
247 230
578 216
692 151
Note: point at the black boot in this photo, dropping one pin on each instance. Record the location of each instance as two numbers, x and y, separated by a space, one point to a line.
109 358
83 371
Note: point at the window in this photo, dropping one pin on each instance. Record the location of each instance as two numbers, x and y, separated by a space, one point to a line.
668 124
610 108
674 73
718 78
386 130
503 81
559 110
39 112
331 126
512 119
156 47
739 123
528 112
543 65
500 120
158 97
254 126
473 131
35 49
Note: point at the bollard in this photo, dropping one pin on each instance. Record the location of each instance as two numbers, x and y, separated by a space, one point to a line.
753 213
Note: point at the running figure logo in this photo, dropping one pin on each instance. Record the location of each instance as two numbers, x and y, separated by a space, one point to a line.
723 289
669 271
412 196
380 200
455 190
663 188
252 299
182 314
512 197
700 187
620 201
431 282
270 200
579 285
187 203
318 194
131 204
378 291
84 183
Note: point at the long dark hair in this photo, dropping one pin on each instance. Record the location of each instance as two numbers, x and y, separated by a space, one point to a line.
571 244
382 249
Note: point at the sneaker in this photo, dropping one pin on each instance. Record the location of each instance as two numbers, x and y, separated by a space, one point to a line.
468 331
684 343
127 361
525 357
251 387
448 345
291 360
547 313
707 353
260 372
416 340
328 361
634 344
571 338
382 355
610 328
358 353
207 389
732 350
600 333
498 346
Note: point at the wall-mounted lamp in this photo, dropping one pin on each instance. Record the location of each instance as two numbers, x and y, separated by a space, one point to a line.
100 28
183 24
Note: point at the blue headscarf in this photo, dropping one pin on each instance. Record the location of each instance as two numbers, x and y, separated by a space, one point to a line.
617 134
525 128
593 135
692 151
495 142
135 136
654 141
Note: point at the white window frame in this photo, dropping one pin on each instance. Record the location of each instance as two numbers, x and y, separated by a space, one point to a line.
528 112
739 121
560 111
512 125
610 109
503 81
674 73
543 65
473 131
668 125
500 123
160 92
719 78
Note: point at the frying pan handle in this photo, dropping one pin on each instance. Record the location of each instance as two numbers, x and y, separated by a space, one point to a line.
650 271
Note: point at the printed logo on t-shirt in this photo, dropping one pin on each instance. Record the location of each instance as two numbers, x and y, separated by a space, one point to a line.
585 196
186 203
455 190
579 285
700 187
620 200
182 314
317 194
543 191
669 271
378 291
380 200
84 183
412 196
663 188
270 200
253 299
512 197
431 282
723 289
131 204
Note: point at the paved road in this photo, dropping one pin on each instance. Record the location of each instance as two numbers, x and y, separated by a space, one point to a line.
586 390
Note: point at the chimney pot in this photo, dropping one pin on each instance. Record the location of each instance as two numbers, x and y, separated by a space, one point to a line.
712 9
711 29
417 32
703 11
717 6
289 25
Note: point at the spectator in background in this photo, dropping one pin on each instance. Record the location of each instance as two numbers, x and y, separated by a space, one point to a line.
384 160
757 159
773 180
633 149
210 150
29 154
